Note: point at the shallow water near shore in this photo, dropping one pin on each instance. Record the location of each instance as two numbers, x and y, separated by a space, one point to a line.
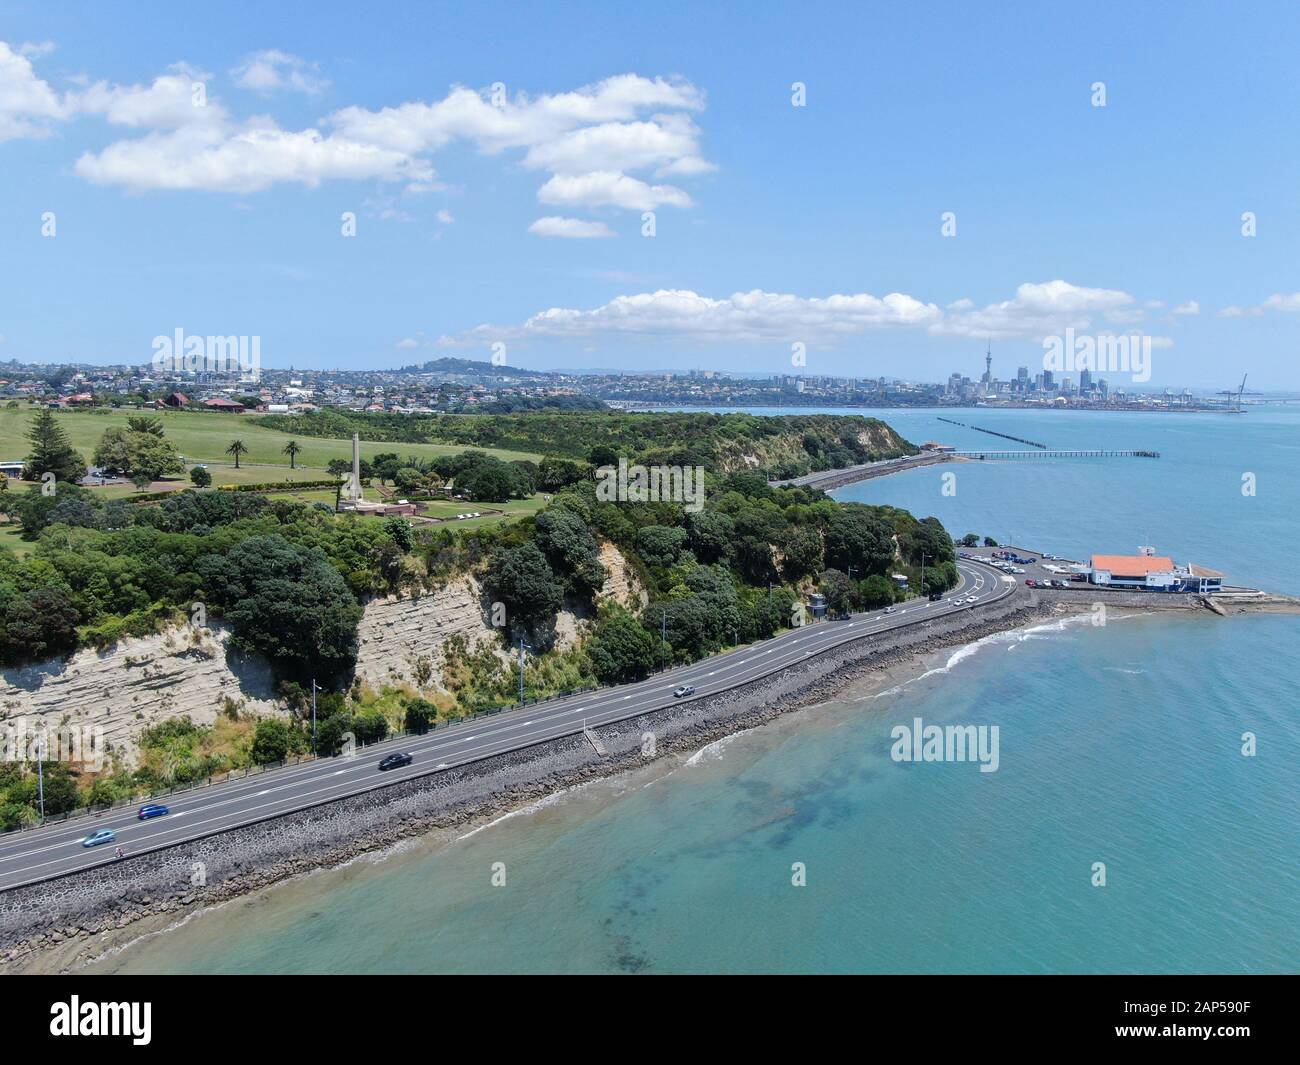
1120 745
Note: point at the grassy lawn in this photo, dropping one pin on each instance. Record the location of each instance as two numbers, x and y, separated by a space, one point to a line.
515 508
10 537
204 437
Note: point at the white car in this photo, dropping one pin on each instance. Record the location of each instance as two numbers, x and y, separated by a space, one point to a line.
972 599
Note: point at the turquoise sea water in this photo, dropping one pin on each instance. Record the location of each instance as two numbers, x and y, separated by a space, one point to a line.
1119 745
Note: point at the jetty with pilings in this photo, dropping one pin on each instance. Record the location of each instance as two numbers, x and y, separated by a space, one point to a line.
1082 453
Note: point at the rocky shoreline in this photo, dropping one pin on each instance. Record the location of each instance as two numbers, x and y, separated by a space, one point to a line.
62 924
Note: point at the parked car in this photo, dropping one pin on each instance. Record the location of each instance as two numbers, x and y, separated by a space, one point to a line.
395 761
104 835
683 691
152 809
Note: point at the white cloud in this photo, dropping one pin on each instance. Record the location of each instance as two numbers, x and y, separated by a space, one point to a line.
171 101
1188 308
35 49
446 217
609 188
1036 310
247 159
589 139
666 141
1287 303
28 106
555 226
753 315
272 70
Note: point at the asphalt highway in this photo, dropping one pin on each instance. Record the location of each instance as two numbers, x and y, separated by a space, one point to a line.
55 850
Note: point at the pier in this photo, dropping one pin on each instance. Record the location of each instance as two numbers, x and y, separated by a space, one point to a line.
1101 453
994 432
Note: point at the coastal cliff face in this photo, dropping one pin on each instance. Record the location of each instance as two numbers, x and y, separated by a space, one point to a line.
137 683
877 439
188 671
403 640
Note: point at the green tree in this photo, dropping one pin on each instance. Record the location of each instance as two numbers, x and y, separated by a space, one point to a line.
128 452
838 590
293 449
399 531
201 477
288 603
661 545
876 591
621 649
38 624
420 715
856 537
152 426
270 741
571 548
236 448
970 540
51 451
522 579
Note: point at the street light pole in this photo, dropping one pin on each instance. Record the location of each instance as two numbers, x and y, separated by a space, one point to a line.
314 689
522 645
663 634
924 556
40 775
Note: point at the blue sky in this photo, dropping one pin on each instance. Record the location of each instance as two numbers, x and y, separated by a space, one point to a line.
517 218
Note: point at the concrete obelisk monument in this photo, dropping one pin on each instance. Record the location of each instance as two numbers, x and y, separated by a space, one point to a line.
354 489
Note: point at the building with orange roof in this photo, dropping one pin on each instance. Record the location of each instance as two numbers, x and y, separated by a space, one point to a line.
1152 572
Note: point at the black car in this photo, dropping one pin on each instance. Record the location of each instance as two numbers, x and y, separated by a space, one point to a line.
396 761
935 596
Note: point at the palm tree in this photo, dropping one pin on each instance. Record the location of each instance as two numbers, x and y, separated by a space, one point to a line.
236 448
292 449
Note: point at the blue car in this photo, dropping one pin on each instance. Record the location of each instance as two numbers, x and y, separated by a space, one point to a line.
152 809
104 835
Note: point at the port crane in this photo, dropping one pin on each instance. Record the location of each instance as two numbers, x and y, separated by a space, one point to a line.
1239 392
